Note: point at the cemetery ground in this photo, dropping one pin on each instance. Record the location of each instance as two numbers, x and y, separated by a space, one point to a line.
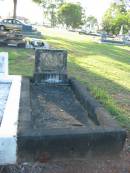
105 71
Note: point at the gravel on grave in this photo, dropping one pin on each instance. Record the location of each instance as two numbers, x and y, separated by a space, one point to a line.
56 107
4 92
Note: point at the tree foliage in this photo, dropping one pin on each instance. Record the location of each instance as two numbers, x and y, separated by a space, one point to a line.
115 17
92 20
38 1
71 15
50 9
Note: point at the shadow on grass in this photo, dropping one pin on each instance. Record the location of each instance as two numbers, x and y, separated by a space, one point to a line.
101 88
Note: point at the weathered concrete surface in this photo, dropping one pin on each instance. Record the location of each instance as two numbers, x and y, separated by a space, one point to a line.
24 121
12 38
69 142
8 128
4 91
55 140
55 106
95 110
49 63
49 107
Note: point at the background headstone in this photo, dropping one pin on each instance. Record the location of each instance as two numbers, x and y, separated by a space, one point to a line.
103 36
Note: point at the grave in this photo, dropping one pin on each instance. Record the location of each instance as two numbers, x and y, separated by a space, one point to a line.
32 34
19 39
112 40
9 105
36 43
12 38
59 118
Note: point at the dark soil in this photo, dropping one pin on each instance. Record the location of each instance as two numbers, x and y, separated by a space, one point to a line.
56 107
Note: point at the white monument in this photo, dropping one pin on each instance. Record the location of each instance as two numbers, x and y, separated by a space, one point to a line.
3 64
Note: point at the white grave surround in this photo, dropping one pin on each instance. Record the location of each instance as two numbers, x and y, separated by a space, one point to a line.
8 128
3 64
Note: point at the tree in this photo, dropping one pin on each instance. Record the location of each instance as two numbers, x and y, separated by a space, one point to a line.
15 8
70 14
47 1
38 1
91 19
127 3
91 24
50 9
115 17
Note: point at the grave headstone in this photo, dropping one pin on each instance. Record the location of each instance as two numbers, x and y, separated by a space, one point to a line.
50 66
3 64
103 36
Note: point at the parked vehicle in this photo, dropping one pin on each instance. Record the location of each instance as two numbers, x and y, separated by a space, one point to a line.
9 24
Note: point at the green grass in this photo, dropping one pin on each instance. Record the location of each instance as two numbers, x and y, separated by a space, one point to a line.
21 61
103 69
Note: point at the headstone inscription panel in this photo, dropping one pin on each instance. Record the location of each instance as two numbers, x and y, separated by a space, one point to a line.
50 66
3 64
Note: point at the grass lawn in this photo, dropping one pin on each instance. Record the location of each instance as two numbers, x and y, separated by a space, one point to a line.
103 69
21 61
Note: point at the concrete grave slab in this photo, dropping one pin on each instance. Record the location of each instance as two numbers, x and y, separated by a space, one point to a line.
9 120
62 120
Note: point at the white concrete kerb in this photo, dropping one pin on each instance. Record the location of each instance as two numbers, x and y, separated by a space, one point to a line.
8 128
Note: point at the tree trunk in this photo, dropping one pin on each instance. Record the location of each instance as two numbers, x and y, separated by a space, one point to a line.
15 7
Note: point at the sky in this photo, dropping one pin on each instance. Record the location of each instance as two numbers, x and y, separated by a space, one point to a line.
25 8
29 9
95 7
